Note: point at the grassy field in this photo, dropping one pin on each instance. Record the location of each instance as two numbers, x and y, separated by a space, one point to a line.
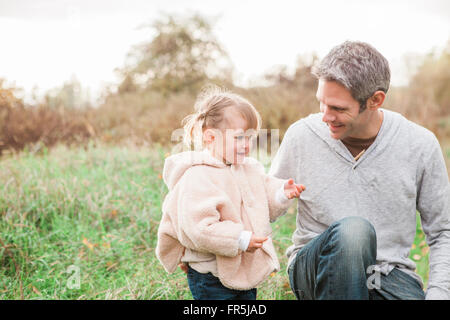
92 214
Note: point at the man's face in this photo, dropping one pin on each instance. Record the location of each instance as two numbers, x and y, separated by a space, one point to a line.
340 110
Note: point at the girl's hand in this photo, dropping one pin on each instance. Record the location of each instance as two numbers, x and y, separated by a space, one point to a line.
183 267
255 243
292 190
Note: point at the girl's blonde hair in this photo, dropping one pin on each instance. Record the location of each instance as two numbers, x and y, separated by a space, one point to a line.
210 113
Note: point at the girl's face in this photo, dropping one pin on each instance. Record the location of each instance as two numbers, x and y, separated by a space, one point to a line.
233 144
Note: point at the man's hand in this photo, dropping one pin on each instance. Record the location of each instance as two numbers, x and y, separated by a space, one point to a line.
292 190
255 243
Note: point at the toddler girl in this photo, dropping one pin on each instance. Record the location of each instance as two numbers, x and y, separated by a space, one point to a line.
217 214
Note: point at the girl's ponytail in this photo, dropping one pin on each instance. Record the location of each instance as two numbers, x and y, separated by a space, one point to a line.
193 128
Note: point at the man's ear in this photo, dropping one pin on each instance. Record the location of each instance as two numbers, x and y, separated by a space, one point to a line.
376 100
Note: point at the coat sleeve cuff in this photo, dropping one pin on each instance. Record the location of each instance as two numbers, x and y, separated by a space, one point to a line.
244 240
280 196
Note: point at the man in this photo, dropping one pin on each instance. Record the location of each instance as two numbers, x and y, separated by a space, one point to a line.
366 171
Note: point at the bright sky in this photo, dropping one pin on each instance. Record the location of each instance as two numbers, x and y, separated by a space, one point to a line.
46 42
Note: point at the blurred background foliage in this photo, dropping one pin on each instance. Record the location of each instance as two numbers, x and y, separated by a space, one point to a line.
159 82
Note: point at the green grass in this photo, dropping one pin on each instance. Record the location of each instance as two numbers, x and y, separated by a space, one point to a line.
98 209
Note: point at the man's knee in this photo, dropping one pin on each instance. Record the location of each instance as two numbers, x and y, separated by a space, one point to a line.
354 232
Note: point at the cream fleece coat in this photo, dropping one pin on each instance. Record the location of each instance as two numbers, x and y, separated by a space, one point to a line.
208 205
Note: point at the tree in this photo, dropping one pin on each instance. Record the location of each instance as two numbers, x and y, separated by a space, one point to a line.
70 95
183 55
431 83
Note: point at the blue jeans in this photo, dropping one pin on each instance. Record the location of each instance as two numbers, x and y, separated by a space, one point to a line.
205 286
335 266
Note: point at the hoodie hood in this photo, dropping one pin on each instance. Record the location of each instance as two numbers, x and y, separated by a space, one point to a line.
176 165
315 124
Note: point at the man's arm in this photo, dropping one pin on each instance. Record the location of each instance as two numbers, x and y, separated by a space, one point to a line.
285 164
433 203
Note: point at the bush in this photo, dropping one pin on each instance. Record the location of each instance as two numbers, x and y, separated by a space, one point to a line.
40 125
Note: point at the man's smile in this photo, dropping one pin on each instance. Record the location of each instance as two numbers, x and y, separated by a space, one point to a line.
335 127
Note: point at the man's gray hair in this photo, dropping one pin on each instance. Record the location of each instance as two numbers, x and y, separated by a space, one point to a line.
357 66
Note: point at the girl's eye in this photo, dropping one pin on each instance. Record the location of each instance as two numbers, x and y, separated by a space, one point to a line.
239 137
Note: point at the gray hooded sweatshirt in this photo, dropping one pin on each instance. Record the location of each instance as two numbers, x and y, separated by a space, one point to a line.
402 172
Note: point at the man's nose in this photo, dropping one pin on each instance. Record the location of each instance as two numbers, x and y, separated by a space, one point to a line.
327 115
